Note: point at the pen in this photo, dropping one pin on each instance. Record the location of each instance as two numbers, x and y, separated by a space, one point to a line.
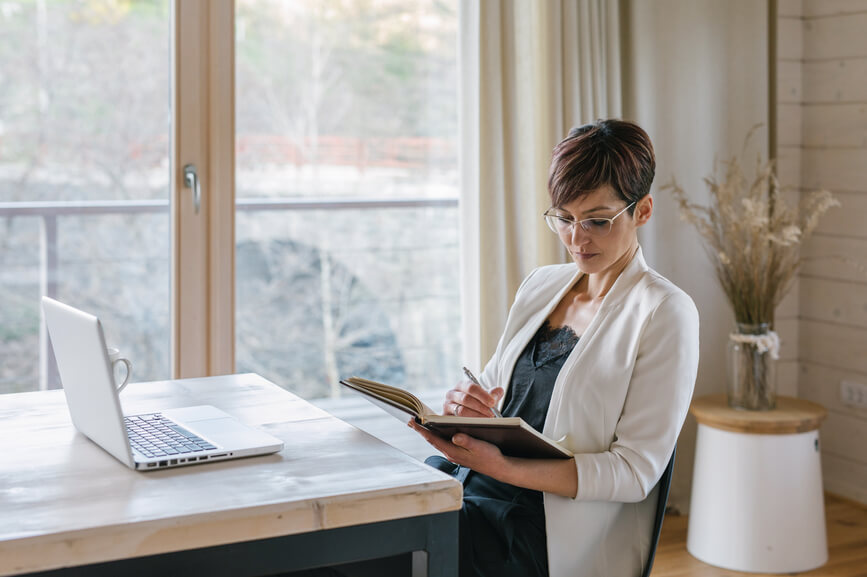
473 378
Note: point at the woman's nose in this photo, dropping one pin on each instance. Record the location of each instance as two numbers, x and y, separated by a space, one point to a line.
578 235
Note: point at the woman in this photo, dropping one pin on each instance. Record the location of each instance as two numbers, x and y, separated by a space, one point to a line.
601 355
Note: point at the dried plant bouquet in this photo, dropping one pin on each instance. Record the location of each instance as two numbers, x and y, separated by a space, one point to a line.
754 242
752 236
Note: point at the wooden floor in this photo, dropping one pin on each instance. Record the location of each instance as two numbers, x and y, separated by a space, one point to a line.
847 544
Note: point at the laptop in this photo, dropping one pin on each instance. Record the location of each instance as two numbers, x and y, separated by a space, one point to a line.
146 442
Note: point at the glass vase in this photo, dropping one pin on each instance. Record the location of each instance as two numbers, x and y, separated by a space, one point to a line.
751 372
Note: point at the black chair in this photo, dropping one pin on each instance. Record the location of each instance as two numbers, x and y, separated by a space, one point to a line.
662 499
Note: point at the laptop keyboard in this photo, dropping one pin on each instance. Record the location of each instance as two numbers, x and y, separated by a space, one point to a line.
154 436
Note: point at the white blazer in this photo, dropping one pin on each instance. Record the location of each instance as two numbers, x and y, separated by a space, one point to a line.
618 403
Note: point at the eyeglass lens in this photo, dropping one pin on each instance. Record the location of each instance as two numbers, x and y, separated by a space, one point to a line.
595 226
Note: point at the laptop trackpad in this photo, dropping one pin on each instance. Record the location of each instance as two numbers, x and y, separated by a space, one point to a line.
226 433
197 413
218 427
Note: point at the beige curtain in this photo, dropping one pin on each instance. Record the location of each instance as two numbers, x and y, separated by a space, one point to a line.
531 70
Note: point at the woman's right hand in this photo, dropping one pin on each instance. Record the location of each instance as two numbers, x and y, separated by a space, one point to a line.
468 399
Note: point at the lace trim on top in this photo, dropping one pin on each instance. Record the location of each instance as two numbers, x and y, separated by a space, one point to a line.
553 342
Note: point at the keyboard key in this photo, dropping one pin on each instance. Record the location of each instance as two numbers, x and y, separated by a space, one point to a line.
182 431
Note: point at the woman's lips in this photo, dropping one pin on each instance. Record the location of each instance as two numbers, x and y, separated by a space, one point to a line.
584 255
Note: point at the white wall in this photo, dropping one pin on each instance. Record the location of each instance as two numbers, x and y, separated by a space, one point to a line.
696 79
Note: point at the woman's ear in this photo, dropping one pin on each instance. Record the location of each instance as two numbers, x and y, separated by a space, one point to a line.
643 210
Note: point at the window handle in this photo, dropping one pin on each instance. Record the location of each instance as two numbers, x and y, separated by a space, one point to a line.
191 180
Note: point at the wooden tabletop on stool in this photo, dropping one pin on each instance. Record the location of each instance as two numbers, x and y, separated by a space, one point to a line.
789 417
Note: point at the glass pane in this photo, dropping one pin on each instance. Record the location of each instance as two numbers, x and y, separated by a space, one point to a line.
347 186
84 178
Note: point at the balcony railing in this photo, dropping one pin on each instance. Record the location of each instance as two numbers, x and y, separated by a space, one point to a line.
50 211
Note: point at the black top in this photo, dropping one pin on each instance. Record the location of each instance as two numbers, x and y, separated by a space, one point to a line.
503 526
535 371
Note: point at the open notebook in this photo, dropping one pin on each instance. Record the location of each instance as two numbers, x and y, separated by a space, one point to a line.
512 435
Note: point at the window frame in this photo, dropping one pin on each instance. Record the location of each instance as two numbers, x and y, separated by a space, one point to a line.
203 242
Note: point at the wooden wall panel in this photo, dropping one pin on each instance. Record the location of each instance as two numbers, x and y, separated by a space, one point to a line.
787 325
790 38
844 477
821 384
789 166
834 301
832 81
789 123
835 37
838 433
791 197
788 330
834 168
833 282
789 76
789 127
835 125
812 8
849 219
789 308
835 258
789 8
788 378
834 345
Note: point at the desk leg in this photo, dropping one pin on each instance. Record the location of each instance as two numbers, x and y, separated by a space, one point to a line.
440 556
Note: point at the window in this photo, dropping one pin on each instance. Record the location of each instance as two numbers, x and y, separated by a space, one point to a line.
346 188
84 178
347 184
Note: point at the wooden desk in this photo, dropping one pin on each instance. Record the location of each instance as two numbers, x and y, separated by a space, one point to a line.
334 494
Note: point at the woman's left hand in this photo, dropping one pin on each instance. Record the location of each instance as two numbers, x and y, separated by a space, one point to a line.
478 455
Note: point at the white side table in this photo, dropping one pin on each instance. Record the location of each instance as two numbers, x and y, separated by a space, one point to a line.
757 503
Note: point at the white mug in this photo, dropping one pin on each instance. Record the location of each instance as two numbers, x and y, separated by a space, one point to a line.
115 358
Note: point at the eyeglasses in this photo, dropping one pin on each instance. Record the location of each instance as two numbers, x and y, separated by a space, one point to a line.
598 227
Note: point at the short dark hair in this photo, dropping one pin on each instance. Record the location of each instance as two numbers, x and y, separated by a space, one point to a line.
617 153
